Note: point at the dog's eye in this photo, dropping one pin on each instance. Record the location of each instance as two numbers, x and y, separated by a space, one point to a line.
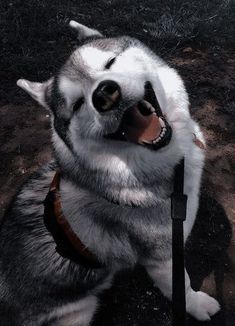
109 63
78 104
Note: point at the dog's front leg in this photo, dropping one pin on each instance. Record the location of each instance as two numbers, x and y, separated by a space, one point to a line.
198 304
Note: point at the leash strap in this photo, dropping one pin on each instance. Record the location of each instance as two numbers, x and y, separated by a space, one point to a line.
178 215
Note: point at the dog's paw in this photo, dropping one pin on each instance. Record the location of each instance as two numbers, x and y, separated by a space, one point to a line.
201 306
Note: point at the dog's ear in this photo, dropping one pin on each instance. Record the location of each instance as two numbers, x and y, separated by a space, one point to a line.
38 91
83 31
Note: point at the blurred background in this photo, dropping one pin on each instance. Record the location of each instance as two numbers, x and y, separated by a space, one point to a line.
194 37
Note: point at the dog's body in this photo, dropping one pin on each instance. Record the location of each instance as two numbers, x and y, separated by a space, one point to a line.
114 194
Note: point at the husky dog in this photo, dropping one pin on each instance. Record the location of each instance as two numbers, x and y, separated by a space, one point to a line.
120 124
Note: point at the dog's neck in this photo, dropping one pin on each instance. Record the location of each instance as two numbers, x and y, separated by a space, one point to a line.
143 190
131 176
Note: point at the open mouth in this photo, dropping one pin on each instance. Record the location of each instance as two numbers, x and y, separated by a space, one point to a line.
144 123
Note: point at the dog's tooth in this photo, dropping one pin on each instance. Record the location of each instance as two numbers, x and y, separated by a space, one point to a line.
145 103
148 142
162 133
162 122
148 105
157 140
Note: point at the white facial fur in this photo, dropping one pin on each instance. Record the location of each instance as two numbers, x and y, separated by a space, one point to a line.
133 67
131 70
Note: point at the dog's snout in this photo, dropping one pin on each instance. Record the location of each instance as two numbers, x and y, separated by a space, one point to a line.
106 96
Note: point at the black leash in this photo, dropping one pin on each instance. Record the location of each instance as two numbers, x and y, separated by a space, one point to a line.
178 215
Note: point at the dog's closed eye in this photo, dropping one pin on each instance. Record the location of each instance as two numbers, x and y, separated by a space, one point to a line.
77 105
109 63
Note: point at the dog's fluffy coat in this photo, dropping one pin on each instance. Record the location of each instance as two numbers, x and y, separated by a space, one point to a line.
115 195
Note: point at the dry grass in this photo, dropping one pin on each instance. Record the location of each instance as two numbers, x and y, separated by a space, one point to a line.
184 19
35 38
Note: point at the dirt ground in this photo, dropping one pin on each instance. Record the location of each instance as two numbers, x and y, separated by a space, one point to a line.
33 46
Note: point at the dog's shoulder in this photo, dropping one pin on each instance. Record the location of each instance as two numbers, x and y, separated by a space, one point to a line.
30 195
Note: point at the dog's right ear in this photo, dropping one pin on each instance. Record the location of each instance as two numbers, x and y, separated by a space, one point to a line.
38 91
83 31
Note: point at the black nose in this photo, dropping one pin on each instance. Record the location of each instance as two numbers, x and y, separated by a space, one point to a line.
106 96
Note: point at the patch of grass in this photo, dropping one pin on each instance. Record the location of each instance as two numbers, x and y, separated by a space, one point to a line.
35 38
182 19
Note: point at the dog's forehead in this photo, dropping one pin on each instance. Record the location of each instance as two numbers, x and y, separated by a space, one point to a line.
95 53
92 55
111 44
90 58
93 58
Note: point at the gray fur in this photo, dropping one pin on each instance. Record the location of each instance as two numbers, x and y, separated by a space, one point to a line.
115 195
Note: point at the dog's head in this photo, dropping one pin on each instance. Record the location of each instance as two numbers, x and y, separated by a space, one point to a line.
111 89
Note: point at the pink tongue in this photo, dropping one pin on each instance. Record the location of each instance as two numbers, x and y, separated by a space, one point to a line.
141 127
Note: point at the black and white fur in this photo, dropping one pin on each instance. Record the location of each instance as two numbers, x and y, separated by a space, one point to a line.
115 195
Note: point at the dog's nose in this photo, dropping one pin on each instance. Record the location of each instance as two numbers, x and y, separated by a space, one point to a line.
106 96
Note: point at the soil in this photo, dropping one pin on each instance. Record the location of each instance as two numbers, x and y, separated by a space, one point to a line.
207 68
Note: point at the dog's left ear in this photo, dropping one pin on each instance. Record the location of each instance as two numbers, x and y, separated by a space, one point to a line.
38 91
83 31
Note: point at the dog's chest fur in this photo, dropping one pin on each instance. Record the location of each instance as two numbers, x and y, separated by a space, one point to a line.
117 230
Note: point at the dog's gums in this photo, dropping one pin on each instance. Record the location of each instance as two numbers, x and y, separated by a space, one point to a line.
144 123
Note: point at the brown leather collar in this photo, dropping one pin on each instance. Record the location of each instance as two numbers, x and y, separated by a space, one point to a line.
67 242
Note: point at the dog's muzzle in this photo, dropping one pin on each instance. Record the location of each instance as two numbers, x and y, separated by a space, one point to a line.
144 123
106 96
